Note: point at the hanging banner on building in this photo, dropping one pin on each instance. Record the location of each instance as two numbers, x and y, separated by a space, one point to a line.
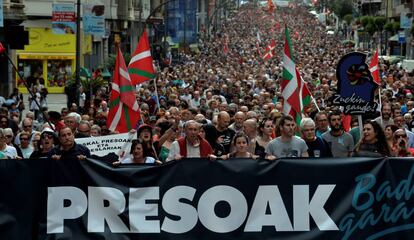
94 19
239 199
406 20
104 145
63 18
1 14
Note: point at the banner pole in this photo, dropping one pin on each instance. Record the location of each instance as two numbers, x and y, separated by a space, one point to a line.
28 88
380 103
156 95
360 125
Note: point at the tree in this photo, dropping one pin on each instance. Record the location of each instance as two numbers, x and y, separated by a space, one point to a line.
341 7
348 19
388 27
395 26
365 20
380 22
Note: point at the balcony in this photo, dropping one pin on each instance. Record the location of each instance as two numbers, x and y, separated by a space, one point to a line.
14 10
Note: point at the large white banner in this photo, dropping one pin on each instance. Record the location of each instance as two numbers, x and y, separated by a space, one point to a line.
119 144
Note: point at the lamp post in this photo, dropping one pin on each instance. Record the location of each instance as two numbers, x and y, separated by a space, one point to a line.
78 50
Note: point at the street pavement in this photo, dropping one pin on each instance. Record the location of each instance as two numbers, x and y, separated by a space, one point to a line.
54 101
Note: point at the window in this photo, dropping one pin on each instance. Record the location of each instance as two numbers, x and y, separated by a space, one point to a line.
32 72
58 72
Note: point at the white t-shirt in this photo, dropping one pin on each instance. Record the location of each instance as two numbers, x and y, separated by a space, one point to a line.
147 160
10 151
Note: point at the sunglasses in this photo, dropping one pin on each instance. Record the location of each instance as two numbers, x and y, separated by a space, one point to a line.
24 139
400 136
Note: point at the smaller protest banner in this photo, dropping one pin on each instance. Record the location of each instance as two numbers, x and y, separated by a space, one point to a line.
104 145
63 18
355 90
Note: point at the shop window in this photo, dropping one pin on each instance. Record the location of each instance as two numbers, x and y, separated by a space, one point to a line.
58 72
32 72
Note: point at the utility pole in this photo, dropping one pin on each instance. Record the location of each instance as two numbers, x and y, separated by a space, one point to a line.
78 51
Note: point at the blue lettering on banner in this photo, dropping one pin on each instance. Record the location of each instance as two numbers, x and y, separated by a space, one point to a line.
364 199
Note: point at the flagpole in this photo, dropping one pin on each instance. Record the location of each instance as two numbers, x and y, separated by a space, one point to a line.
314 101
156 95
380 103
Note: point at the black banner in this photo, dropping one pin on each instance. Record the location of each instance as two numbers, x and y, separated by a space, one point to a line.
244 199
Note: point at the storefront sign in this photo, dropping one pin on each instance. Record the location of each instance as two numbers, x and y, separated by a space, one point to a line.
241 199
94 19
63 18
42 40
355 89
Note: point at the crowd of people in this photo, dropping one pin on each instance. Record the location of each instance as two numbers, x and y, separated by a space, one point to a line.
225 101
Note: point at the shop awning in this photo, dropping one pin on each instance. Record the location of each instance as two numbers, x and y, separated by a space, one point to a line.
69 56
84 72
106 73
40 23
393 38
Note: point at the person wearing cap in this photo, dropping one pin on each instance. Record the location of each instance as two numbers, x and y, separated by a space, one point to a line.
48 140
145 134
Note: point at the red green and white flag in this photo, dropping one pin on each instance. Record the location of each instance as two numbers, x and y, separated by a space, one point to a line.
373 68
141 67
123 106
270 51
295 92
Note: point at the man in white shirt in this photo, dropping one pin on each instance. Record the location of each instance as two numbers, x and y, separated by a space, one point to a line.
190 146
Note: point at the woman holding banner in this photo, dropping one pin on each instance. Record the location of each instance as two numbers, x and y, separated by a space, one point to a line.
373 142
241 146
48 140
139 154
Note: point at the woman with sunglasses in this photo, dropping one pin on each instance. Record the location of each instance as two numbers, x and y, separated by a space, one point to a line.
9 135
48 140
400 147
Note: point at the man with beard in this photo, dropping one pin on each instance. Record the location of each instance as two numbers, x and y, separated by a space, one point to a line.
237 125
322 125
287 145
385 118
340 142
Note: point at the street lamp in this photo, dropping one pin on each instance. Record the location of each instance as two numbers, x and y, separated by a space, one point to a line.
78 50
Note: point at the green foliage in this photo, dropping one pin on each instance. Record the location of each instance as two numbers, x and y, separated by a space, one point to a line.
412 31
365 20
379 22
340 7
388 26
97 83
370 28
348 19
110 63
396 26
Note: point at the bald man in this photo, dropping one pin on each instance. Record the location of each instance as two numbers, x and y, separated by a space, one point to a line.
222 131
237 124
